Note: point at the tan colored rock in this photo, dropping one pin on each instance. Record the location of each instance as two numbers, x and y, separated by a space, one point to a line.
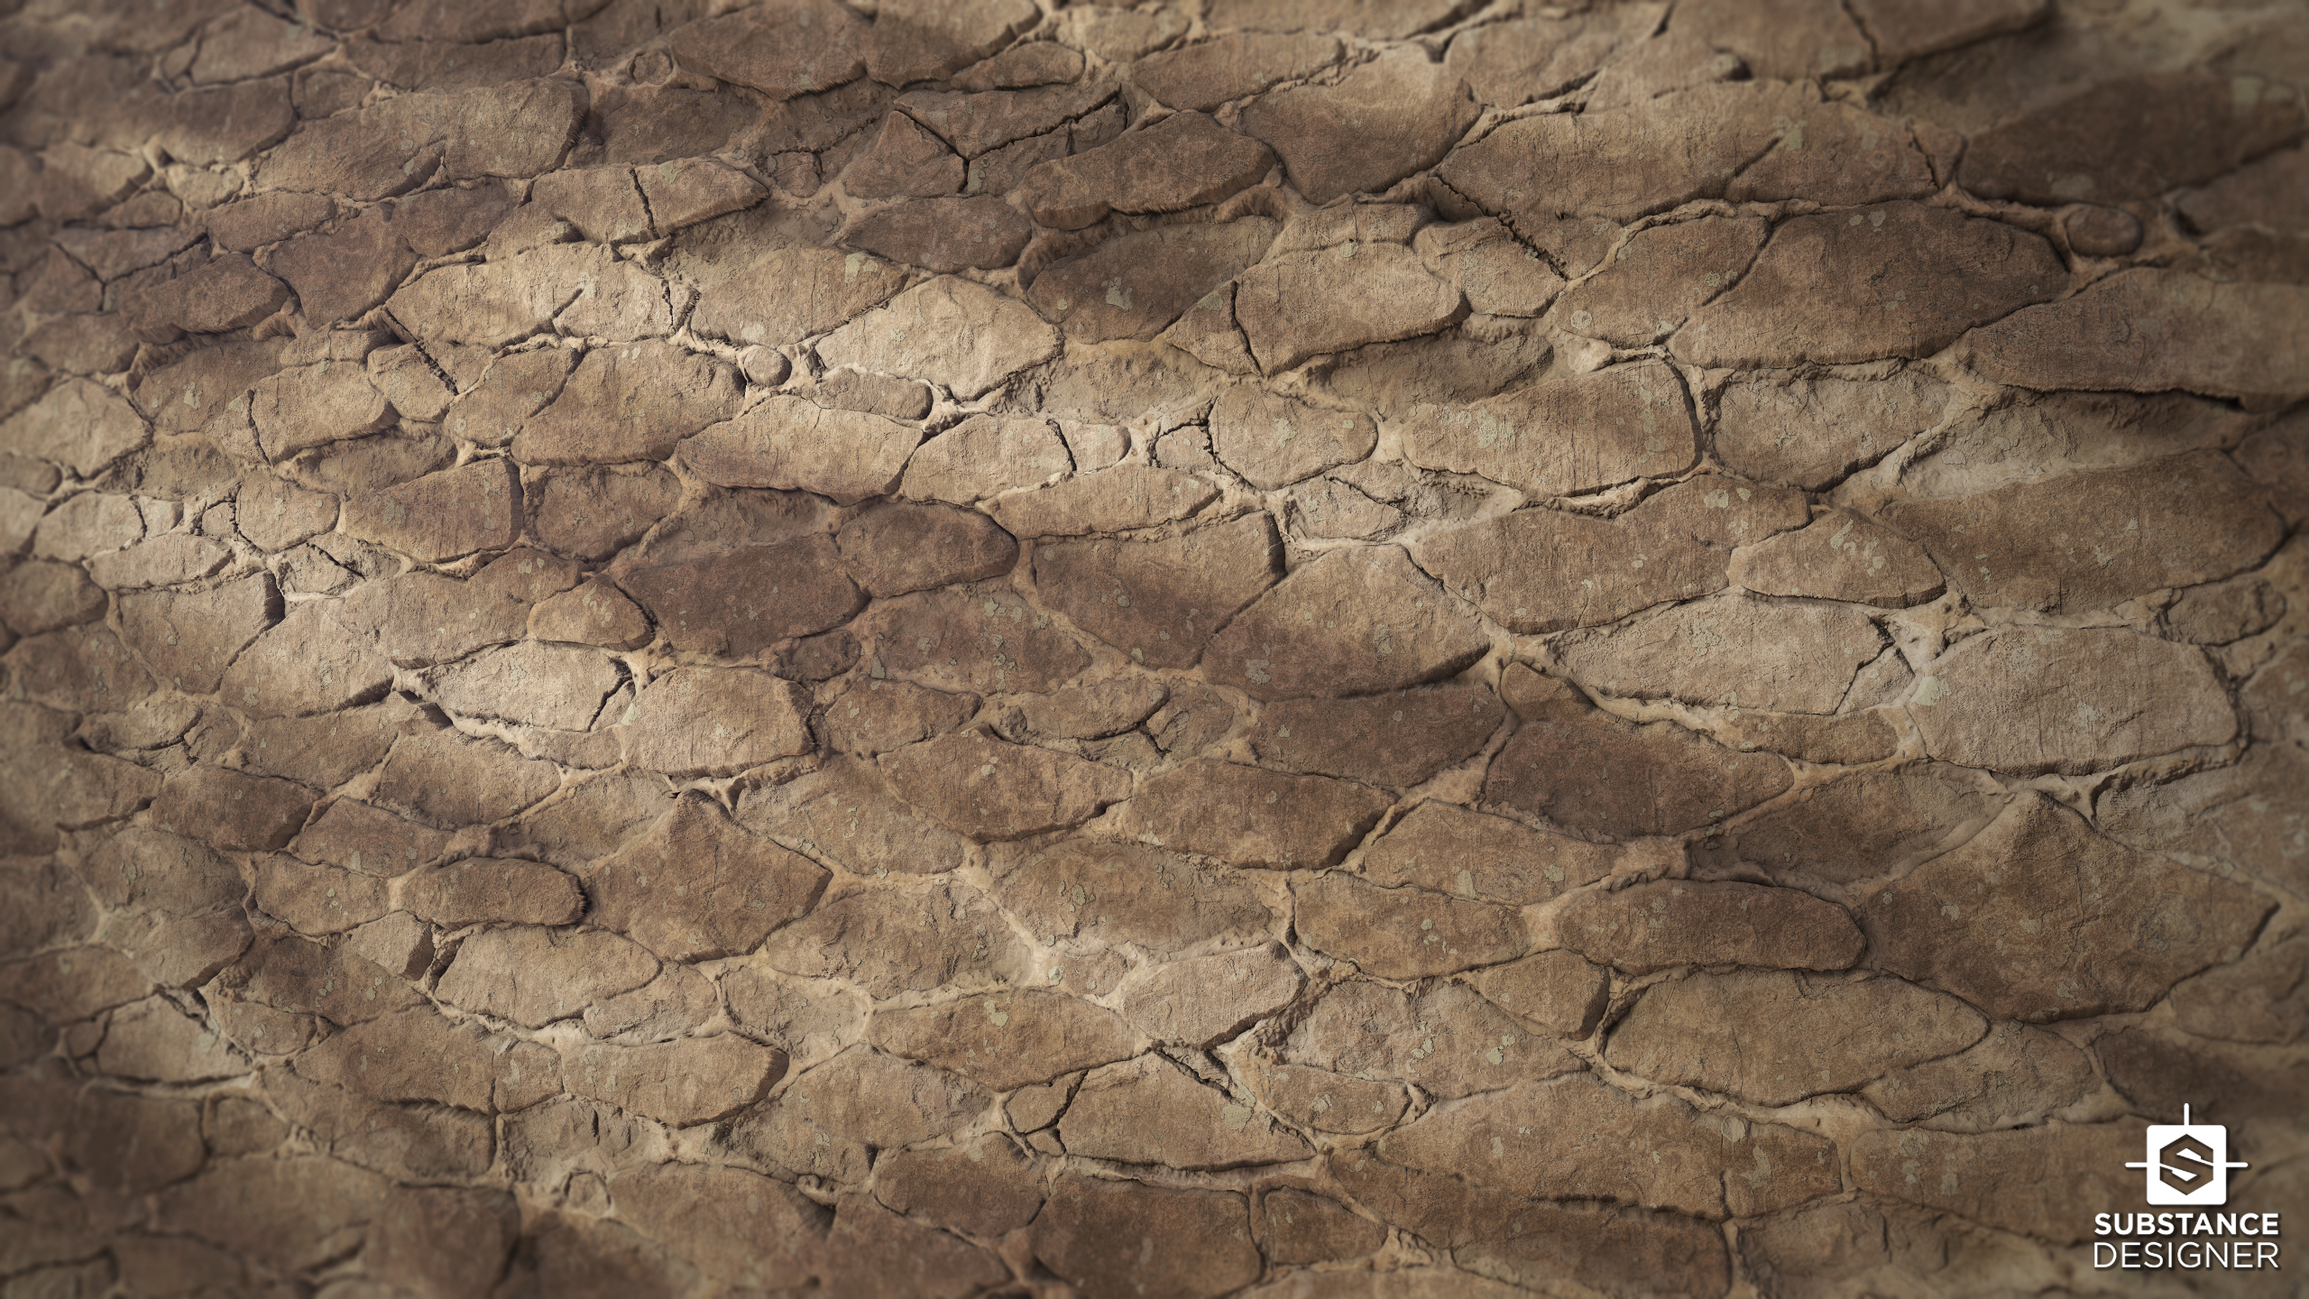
534 976
73 983
1538 570
451 780
1868 825
1203 1001
1597 775
1159 601
954 233
847 813
1392 22
1397 740
593 512
1902 32
1298 1226
873 716
307 663
81 425
632 401
2241 815
1385 120
790 443
1276 441
1251 817
1203 76
416 1055
1838 154
989 790
233 810
39 596
2144 926
697 887
754 716
2065 153
984 1188
1328 1102
1404 933
1511 63
2252 1001
1774 1038
1096 1232
953 333
2093 539
982 639
1447 849
1841 556
1083 712
1135 285
717 605
191 638
1383 628
2015 1076
1149 1111
897 547
78 670
1128 893
1301 305
2100 697
686 1081
1674 922
314 405
873 1247
903 161
1658 278
442 515
888 942
734 1224
1447 1039
983 456
420 619
1729 650
1185 160
368 840
793 293
593 614
293 1213
1824 261
226 293
532 684
1558 990
153 1040
1499 275
316 899
1982 1176
275 515
482 890
1005 1040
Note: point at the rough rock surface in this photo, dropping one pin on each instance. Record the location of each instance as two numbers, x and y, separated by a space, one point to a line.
1349 649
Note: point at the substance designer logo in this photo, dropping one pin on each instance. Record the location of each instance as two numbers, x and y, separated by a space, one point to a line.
2187 1163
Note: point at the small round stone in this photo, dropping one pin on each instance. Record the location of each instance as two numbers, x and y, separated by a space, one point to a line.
2103 231
765 367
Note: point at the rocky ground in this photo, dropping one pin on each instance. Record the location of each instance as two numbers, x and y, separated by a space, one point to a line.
1328 648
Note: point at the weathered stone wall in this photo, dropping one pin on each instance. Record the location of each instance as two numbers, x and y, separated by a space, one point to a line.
1325 647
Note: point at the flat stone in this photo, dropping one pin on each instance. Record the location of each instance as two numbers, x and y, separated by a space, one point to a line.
2252 1001
163 561
1982 1176
1447 849
1397 740
1444 1037
944 235
753 718
1839 155
87 524
1302 305
1624 422
534 976
1787 39
718 606
518 129
1658 278
495 303
686 1081
1383 23
1130 893
453 779
1082 712
874 717
442 515
2015 1076
790 48
1895 248
416 1055
1252 817
40 597
1159 601
1841 556
191 638
1135 285
276 515
79 425
1149 1111
1499 275
1668 923
790 442
901 546
1812 432
887 943
1301 1227
1867 824
2258 194
2145 925
1005 1040
307 663
2092 539
1718 511
2089 689
1558 990
1186 160
1729 650
847 812
1202 76
989 790
2051 157
317 899
982 639
2239 816
1325 1101
421 619
718 1217
226 293
1628 780
78 670
1383 625
792 294
983 1188
1404 933
481 890
1512 63
904 161
1094 1232
1407 112
1520 570
875 394
1275 441
294 1213
1905 32
984 456
956 334
153 1040
1202 1002
532 684
629 402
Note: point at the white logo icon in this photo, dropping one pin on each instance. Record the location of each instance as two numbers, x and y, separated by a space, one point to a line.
2187 1163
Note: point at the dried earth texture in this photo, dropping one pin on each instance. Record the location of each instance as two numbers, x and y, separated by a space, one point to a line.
1323 649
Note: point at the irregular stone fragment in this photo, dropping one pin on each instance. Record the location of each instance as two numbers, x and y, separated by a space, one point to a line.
983 456
897 547
1275 441
697 887
954 333
1252 817
1913 303
1005 1040
443 515
532 684
1200 1002
2015 1076
1396 740
452 779
718 605
2178 130
790 442
314 405
1512 63
2138 926
480 890
1499 275
889 942
1868 824
1903 31
1385 120
1719 511
534 976
1841 556
1982 1176
2252 1001
420 619
1185 160
1203 76
1599 776
629 402
686 1081
874 394
1129 893
1102 1235
874 717
986 789
1381 627
1446 1038
1404 933
945 235
984 1188
1082 712
1447 849
307 663
1556 989
317 899
1539 570
1658 278
1148 1111
1666 923
1325 1101
79 425
790 48
1730 650
416 1055
904 161
1135 285
983 639
1302 305
695 721
2099 698
1301 1227
847 812
224 294
1159 601
793 293
2099 537
294 1213
522 128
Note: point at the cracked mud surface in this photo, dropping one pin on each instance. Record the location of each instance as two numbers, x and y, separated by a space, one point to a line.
1320 649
